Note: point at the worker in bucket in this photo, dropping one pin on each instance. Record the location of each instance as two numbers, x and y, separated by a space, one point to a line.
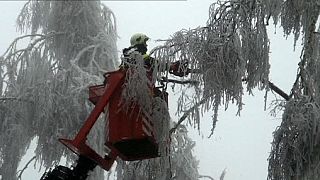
138 43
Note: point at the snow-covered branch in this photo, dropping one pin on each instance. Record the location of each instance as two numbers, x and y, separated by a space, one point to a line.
43 72
232 45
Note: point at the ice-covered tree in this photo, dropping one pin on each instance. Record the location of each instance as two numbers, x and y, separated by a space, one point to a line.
233 48
73 42
43 87
295 148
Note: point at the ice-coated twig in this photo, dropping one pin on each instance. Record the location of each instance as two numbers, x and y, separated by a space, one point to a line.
25 167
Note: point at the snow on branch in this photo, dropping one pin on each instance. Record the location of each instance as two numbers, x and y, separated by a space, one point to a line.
232 46
70 46
295 148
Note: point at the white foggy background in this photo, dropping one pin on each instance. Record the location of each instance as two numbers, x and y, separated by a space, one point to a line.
241 145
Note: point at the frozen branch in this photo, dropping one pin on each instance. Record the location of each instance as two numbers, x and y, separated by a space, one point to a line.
25 167
19 38
224 172
279 91
186 114
164 80
14 99
204 176
41 37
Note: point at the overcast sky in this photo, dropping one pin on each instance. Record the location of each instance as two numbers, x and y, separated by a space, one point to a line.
240 144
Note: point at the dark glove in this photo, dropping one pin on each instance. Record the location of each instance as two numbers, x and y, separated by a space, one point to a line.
179 69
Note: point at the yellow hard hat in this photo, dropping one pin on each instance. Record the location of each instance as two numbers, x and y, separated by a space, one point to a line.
139 38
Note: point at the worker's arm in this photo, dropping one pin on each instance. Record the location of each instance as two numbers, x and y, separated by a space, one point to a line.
176 68
179 69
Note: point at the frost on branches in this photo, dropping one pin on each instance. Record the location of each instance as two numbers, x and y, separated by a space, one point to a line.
295 148
232 48
44 85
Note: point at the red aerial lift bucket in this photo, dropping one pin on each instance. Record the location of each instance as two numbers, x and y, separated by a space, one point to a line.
130 133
